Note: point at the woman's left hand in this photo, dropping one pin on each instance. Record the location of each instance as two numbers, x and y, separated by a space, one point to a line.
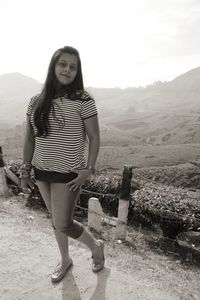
79 180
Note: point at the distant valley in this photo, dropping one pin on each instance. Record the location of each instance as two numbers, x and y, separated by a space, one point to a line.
164 113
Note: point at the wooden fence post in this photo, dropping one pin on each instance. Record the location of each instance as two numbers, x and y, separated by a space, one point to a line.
3 183
124 203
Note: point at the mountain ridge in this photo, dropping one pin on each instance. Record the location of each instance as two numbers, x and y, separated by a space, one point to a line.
163 112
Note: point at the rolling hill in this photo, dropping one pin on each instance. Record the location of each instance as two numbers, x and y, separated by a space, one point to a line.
161 113
15 92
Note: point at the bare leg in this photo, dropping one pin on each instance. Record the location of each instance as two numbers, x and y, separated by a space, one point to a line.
61 238
63 204
87 239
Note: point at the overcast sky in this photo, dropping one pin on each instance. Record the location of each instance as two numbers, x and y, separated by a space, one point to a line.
122 43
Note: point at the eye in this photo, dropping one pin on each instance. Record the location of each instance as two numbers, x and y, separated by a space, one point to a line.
73 67
61 64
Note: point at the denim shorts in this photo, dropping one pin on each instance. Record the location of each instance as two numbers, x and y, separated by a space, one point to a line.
52 176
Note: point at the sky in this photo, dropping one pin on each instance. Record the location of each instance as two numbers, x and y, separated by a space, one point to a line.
122 43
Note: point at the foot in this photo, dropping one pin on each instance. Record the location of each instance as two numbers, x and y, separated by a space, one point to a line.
98 257
60 271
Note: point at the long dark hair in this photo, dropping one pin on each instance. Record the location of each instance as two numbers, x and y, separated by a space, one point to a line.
52 88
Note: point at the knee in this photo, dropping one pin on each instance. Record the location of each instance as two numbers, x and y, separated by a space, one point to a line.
72 229
65 228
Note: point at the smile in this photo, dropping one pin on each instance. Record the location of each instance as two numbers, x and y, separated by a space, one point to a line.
66 76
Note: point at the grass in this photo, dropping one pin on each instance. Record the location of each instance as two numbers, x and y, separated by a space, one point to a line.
146 156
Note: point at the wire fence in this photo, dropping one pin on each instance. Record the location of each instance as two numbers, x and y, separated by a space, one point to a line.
167 214
84 191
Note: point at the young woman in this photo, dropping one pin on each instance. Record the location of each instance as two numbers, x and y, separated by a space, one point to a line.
58 122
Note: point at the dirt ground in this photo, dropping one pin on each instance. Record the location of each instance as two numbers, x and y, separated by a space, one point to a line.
28 254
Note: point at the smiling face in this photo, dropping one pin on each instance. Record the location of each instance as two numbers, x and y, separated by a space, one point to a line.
66 68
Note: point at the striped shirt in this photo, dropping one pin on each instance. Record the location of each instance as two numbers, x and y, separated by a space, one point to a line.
63 148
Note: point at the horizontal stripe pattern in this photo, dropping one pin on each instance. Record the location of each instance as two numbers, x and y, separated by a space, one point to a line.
63 148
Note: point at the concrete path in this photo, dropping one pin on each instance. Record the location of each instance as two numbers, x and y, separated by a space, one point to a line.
28 254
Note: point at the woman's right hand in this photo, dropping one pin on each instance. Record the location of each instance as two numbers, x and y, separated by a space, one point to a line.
27 184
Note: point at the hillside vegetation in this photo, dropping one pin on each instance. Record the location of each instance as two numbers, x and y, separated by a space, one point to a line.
162 113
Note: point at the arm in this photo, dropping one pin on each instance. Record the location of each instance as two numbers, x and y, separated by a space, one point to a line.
92 131
28 150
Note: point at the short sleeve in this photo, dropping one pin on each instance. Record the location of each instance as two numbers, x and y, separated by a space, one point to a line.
31 104
88 109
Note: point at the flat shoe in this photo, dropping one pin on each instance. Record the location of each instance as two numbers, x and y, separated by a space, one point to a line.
60 273
98 265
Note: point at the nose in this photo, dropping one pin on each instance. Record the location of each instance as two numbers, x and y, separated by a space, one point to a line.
67 69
